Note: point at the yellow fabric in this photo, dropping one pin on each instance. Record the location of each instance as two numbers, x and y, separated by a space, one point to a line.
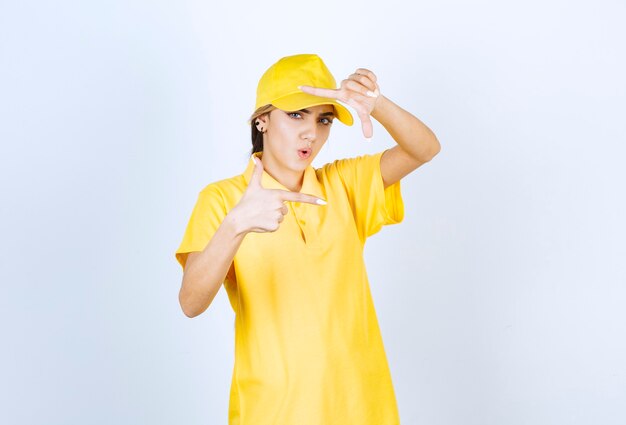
308 348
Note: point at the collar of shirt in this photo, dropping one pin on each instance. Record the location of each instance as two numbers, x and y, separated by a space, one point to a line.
310 183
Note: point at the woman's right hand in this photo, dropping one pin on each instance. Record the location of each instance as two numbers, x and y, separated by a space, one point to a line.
262 210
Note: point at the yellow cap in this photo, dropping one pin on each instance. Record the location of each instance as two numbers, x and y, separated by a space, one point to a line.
279 85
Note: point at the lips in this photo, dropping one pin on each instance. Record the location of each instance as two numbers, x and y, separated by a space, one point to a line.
304 153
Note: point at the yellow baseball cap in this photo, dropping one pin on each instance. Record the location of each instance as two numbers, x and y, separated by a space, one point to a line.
279 85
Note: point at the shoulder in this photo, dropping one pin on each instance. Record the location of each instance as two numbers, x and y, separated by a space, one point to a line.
226 192
225 187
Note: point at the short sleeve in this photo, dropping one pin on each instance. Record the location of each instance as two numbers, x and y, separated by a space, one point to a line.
206 216
372 205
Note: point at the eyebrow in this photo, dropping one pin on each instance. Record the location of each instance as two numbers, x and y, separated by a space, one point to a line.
325 114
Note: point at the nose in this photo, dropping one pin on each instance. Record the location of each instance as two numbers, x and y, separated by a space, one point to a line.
309 133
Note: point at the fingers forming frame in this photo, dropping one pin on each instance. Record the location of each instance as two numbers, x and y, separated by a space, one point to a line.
354 91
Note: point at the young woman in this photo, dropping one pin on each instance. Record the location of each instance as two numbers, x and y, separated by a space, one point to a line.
287 240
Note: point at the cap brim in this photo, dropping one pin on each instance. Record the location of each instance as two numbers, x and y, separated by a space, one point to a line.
301 100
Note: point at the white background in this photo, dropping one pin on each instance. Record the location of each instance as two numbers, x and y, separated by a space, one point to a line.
500 296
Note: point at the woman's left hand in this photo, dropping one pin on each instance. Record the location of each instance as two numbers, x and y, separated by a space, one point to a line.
359 90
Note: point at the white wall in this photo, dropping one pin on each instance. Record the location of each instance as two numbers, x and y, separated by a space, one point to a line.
500 297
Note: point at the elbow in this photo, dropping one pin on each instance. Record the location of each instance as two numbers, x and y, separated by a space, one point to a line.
186 306
433 151
436 147
428 152
195 297
188 312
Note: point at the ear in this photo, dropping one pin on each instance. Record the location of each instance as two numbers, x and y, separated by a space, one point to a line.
265 117
262 120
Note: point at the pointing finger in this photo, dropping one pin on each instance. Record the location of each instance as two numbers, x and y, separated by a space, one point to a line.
319 91
286 195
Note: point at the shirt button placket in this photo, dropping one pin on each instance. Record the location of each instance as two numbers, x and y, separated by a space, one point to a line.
299 214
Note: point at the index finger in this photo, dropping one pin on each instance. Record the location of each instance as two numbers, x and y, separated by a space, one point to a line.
320 91
286 195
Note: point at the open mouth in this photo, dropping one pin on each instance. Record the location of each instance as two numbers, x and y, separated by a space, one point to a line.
304 153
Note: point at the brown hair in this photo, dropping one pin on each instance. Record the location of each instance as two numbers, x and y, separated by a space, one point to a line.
257 136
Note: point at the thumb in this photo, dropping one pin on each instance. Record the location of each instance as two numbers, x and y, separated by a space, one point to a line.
255 180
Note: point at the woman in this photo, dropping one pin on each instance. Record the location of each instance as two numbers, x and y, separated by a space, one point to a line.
287 241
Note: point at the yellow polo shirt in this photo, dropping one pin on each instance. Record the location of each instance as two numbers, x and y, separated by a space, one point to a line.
308 348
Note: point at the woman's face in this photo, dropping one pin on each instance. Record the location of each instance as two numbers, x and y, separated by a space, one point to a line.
288 134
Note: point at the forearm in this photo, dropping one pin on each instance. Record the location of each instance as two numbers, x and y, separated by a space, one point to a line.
411 134
204 276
